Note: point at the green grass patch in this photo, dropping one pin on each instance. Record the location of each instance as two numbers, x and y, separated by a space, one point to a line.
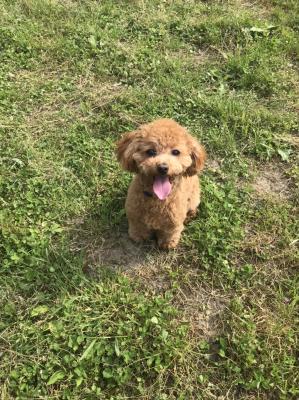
104 338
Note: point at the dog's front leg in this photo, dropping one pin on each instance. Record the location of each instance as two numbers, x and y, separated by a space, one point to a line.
138 231
168 239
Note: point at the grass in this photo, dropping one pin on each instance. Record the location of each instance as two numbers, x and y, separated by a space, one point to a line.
218 317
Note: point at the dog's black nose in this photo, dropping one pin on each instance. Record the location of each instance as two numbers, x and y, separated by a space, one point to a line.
163 169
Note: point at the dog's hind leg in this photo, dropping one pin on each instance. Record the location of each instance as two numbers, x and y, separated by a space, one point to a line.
193 200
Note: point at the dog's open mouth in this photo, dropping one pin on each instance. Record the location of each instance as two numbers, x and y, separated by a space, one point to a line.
162 186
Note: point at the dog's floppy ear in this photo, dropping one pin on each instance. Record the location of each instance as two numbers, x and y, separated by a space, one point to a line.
125 150
198 156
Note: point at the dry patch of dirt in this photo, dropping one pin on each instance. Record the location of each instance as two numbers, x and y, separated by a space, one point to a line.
202 307
271 182
67 3
65 98
144 261
114 250
213 165
258 8
202 56
119 252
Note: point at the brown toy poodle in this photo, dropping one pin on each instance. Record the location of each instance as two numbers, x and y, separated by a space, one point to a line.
165 189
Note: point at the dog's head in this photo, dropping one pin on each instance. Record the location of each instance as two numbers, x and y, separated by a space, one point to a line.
163 150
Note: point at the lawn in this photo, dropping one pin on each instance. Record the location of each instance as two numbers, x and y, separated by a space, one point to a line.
85 313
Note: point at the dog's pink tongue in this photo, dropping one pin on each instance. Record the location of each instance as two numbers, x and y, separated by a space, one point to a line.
162 187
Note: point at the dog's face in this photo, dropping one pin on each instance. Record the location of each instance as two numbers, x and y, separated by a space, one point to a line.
162 150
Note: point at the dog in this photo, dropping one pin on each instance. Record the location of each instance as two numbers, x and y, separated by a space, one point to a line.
165 190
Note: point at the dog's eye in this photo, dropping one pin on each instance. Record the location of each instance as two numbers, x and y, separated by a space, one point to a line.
175 152
151 152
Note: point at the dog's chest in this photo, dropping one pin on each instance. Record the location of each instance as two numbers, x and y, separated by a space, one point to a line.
159 215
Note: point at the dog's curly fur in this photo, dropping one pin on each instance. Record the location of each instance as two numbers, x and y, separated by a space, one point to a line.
146 213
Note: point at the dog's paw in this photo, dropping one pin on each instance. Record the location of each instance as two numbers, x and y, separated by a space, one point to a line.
136 238
167 245
191 214
139 236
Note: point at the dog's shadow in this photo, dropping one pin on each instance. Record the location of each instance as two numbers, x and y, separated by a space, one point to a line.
107 246
112 248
